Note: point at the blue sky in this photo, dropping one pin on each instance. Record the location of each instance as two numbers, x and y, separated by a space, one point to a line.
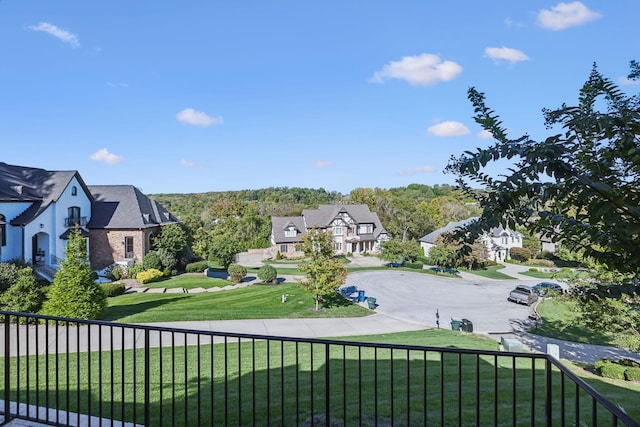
199 96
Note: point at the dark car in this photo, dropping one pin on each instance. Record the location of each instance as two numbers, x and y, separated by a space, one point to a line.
544 287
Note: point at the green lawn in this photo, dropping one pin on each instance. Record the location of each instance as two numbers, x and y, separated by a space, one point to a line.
369 386
538 274
560 320
253 302
189 281
492 272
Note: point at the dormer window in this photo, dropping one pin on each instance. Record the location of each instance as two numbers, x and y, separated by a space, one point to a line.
290 232
74 191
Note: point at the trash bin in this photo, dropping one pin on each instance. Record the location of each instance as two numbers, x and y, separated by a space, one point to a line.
456 323
372 303
361 296
467 326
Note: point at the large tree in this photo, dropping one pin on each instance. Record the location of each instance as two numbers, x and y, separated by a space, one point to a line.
73 292
324 274
580 185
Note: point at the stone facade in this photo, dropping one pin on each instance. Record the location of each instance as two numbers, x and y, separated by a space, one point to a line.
108 246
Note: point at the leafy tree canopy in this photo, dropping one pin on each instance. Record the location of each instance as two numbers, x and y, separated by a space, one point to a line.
580 185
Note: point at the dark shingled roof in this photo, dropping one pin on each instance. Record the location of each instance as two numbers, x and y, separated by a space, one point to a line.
33 185
431 237
280 223
322 218
125 207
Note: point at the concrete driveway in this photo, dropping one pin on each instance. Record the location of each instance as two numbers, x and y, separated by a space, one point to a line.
416 297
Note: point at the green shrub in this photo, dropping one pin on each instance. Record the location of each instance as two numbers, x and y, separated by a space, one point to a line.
236 272
196 267
267 273
612 370
8 275
152 260
629 363
533 270
25 295
632 374
413 265
113 289
278 255
149 276
520 254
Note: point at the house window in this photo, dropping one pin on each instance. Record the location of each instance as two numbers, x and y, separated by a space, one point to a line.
73 217
284 249
337 246
128 247
74 191
290 232
3 230
337 231
365 228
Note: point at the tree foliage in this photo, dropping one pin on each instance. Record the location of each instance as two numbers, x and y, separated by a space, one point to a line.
324 274
267 273
73 292
580 185
26 295
398 251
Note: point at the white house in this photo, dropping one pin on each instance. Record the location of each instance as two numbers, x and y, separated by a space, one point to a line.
40 208
498 241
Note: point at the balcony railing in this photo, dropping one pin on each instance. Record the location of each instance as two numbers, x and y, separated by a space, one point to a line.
75 221
66 371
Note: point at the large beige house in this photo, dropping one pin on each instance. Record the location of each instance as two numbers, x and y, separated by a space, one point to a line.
39 208
355 229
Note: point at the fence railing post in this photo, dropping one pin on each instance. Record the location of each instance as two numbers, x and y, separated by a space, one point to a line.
147 379
7 370
548 391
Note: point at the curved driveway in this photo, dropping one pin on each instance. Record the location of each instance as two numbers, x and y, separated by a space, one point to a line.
416 297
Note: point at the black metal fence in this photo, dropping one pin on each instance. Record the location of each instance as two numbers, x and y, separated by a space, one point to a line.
71 372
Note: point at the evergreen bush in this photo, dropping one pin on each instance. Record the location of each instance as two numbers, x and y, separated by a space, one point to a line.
196 267
267 273
113 289
236 272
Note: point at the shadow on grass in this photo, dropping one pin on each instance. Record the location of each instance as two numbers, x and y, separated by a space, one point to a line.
118 312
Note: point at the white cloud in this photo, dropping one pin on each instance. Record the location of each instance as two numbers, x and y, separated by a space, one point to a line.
449 128
419 169
112 84
105 156
189 164
566 15
421 70
505 54
511 23
198 118
322 164
625 81
485 134
56 32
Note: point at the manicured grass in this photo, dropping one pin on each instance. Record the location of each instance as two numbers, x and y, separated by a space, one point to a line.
189 281
253 302
538 274
492 272
271 383
560 320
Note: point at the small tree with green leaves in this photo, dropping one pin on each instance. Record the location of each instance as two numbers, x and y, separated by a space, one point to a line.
73 292
324 274
236 272
25 295
267 273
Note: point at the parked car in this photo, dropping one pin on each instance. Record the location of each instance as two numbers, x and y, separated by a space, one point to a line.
544 287
523 294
